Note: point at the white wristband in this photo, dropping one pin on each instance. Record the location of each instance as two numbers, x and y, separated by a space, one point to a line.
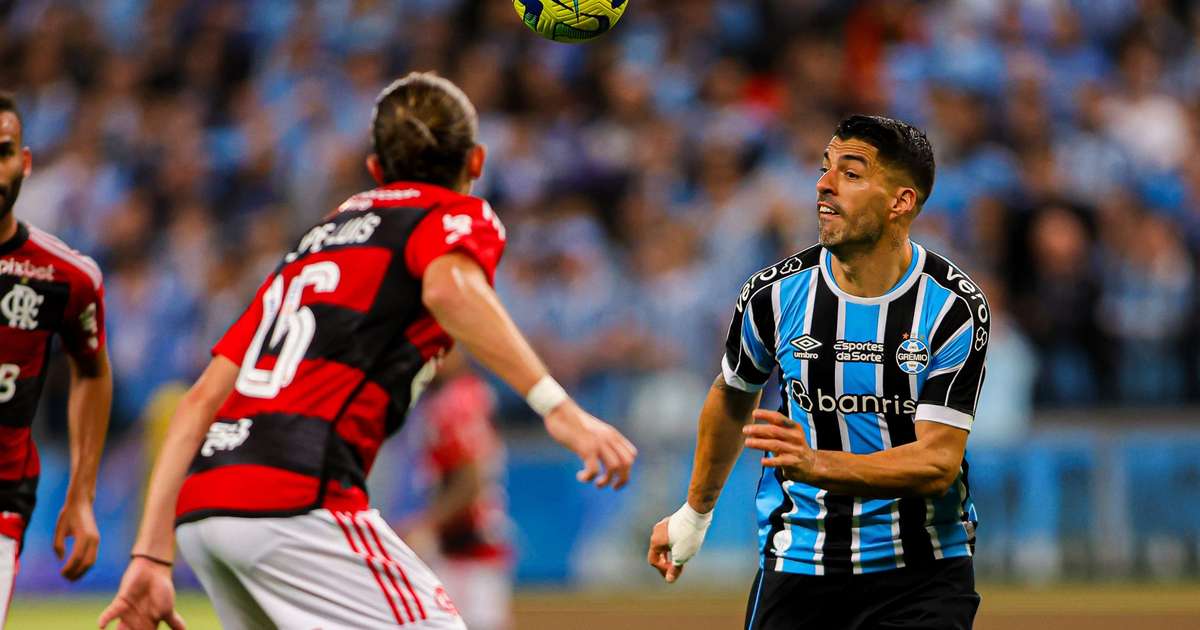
685 533
545 395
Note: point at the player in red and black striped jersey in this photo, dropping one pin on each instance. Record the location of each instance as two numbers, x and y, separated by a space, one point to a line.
264 466
464 529
46 289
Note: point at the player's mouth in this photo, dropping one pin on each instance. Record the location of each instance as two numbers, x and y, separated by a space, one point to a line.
825 208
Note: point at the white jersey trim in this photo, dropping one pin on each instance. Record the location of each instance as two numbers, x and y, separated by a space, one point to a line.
916 270
71 256
944 415
737 382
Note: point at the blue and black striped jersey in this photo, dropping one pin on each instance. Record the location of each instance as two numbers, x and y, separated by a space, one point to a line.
857 373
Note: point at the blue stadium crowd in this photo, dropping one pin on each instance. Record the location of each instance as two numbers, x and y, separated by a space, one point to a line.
184 144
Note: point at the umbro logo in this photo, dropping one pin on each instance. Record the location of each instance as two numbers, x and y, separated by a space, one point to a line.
807 348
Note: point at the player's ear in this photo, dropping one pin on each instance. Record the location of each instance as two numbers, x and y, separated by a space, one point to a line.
375 169
27 159
904 203
475 160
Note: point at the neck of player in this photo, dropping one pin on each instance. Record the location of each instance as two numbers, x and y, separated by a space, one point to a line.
872 271
8 227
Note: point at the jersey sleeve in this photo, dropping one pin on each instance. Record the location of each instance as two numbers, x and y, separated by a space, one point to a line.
83 325
234 343
750 346
469 227
956 369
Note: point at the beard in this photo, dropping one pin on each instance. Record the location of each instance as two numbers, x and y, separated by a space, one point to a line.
9 194
848 235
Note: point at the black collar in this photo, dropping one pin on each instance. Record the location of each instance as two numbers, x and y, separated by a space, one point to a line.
16 241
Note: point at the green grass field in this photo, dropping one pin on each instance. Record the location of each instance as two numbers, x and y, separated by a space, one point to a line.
1104 607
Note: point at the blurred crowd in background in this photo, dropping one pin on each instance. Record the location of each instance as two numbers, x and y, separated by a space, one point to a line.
186 144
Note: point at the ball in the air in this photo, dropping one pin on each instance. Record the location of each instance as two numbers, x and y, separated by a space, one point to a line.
570 20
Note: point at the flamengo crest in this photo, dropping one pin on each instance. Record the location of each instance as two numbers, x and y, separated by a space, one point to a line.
20 306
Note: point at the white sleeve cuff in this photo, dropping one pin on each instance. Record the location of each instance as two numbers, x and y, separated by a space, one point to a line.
944 415
735 381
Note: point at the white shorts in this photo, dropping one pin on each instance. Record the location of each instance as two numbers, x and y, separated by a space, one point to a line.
8 574
482 591
323 569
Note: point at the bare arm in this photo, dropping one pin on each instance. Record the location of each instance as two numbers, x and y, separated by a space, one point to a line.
147 592
189 425
718 442
87 417
457 293
926 467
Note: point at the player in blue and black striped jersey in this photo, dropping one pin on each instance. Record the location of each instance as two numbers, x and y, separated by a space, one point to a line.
865 516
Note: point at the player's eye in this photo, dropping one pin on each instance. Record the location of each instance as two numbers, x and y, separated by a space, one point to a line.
823 169
851 175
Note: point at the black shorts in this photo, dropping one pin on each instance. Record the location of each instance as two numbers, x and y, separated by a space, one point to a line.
936 596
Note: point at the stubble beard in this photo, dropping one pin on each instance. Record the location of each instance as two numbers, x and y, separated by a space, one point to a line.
11 192
852 238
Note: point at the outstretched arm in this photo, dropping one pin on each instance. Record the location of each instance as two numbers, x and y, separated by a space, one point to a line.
147 595
458 294
677 538
87 417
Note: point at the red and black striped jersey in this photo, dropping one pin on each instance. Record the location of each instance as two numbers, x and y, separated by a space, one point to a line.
460 433
332 352
46 289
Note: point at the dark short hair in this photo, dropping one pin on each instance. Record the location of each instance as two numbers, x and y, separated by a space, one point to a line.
8 103
423 129
901 146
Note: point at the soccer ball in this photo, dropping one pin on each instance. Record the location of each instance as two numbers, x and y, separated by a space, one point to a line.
570 20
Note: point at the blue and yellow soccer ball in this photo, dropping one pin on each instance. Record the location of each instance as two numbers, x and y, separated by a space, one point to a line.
570 20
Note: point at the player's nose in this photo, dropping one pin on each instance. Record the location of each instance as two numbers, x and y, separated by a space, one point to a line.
825 184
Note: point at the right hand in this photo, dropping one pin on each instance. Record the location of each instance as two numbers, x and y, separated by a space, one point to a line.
660 552
607 456
77 522
146 597
676 539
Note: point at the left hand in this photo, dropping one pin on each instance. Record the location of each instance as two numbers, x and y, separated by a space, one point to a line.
785 439
76 521
146 597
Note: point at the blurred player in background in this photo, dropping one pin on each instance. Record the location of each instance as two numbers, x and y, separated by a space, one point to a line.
864 514
464 529
46 289
264 466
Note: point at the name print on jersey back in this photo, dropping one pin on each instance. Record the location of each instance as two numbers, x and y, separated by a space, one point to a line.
354 231
331 353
